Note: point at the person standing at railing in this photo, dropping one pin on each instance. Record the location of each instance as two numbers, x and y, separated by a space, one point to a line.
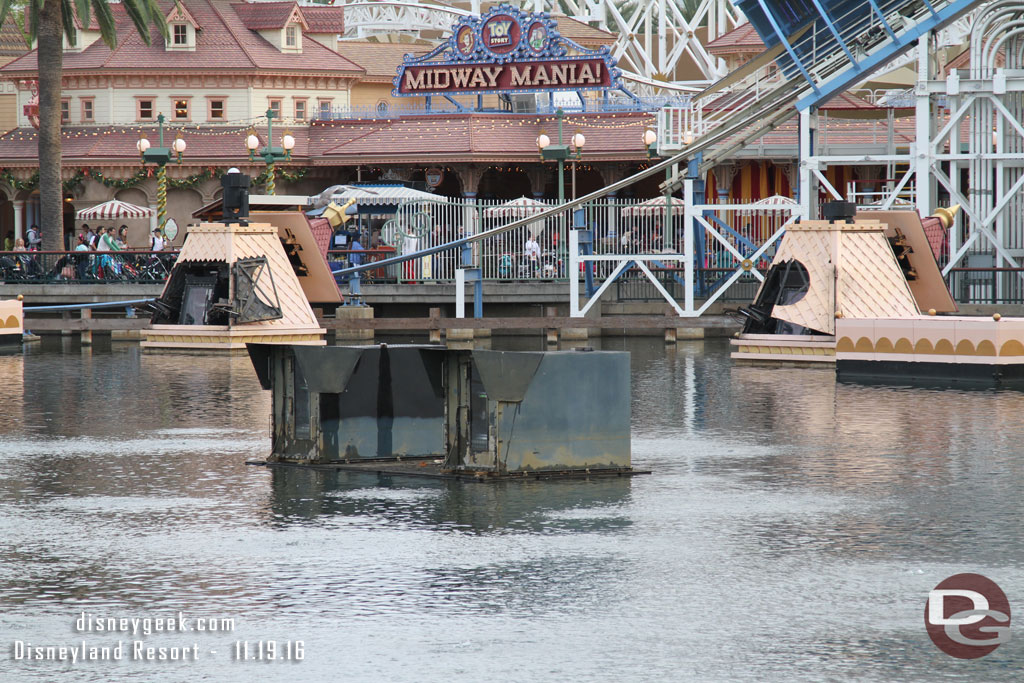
82 260
90 235
35 238
531 252
9 241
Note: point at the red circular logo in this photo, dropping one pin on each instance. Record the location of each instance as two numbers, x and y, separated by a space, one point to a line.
464 40
501 34
967 616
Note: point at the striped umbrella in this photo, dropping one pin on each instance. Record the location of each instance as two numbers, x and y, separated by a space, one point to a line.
115 208
517 208
654 207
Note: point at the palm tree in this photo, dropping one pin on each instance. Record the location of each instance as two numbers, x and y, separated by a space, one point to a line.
48 21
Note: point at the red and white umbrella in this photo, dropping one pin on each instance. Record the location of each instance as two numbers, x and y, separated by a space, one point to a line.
777 200
653 207
517 208
115 208
520 208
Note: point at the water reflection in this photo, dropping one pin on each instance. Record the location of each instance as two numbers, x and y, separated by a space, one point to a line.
592 506
792 527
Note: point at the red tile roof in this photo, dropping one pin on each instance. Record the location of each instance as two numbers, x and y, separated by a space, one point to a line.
741 40
206 145
12 42
324 19
441 138
472 137
259 16
963 61
380 60
223 44
582 33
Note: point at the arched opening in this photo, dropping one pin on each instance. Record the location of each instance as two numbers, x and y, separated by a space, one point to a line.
648 188
588 179
6 223
180 205
138 228
68 227
503 183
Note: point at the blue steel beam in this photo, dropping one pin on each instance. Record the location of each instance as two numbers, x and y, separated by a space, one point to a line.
831 27
881 17
904 42
785 43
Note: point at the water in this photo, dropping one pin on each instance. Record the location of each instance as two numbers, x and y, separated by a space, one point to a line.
792 529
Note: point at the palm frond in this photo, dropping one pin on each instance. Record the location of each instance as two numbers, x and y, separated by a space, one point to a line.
67 17
157 16
82 10
106 22
140 16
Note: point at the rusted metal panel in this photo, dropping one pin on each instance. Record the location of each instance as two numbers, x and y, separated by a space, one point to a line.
506 375
327 369
575 414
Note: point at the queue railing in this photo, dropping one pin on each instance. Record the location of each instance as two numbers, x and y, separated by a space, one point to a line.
86 267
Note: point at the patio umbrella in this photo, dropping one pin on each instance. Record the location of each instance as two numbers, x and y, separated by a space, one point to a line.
653 207
776 200
115 208
519 208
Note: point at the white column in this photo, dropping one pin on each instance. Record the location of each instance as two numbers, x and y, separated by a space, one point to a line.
460 293
152 219
807 164
19 218
923 137
574 274
688 225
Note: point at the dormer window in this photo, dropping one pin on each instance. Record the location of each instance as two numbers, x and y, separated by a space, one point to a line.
182 29
291 36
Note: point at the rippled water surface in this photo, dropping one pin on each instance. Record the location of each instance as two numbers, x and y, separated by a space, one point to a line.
792 528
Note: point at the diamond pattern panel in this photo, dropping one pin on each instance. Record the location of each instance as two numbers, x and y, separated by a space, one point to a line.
871 284
816 310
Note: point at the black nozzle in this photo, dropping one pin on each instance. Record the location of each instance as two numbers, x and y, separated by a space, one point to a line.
839 211
236 196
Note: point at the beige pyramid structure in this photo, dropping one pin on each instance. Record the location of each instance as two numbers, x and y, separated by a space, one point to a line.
235 284
852 273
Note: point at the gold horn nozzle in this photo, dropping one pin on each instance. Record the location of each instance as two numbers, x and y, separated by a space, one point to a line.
946 215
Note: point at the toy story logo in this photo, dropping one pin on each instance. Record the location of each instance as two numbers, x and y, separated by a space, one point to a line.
506 50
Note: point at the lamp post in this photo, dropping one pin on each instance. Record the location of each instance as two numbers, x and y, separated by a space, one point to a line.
270 153
560 152
650 140
161 156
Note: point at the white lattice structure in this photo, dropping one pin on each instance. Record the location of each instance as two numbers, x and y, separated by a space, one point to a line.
657 43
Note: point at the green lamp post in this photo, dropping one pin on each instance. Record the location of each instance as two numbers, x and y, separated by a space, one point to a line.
270 154
161 156
560 152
